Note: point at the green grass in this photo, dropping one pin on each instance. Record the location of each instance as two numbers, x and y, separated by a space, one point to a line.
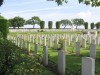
72 61
52 32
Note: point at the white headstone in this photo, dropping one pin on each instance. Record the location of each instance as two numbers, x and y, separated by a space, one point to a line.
45 55
88 66
56 43
77 46
64 45
44 41
84 43
61 62
93 51
36 49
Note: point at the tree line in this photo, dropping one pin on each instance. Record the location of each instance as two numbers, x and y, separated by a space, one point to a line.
20 22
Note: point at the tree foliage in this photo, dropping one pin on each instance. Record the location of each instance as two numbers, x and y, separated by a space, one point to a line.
93 3
65 22
92 25
1 17
78 22
58 25
97 25
50 23
17 22
4 28
42 24
12 23
1 2
34 20
86 25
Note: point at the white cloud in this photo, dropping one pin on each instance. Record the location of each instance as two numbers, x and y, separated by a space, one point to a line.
84 15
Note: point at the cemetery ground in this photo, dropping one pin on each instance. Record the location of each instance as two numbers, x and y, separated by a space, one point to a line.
73 62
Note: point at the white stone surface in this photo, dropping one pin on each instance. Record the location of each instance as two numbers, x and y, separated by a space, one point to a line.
45 55
77 46
88 66
93 51
61 62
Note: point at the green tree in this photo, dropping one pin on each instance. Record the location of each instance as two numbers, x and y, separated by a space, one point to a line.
12 23
66 22
42 24
58 25
78 22
50 23
92 25
33 21
17 22
86 25
97 25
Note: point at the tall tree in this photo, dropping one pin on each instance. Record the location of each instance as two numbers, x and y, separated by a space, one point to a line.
65 22
34 20
58 24
12 23
86 25
78 22
97 25
42 24
50 23
16 22
92 25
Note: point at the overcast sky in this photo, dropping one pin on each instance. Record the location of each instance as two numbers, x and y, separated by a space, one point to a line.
49 10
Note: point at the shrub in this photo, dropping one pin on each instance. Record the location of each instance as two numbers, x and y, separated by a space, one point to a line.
58 25
92 25
6 56
4 28
97 25
14 61
42 24
50 24
86 25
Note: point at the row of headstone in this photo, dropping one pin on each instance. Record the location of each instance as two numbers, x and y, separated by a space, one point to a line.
81 38
20 42
88 63
61 55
